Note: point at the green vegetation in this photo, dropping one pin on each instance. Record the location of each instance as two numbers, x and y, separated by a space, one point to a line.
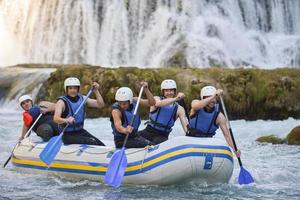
249 93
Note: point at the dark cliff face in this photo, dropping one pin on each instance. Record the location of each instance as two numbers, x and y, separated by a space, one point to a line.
249 93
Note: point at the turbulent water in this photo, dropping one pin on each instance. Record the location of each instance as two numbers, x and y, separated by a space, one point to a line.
18 81
275 169
263 33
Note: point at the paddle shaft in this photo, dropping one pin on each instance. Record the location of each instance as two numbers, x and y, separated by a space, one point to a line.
25 136
134 114
29 131
82 103
230 130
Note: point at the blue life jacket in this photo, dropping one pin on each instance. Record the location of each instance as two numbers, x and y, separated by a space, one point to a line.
126 119
34 112
72 107
204 123
163 118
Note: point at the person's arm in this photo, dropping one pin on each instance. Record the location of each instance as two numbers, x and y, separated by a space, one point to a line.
198 104
168 101
182 117
221 121
98 102
150 101
47 106
116 115
59 108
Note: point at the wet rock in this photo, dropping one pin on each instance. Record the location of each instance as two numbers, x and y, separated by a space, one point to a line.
293 137
271 139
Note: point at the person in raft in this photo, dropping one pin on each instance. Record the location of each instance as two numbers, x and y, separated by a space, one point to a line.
45 127
67 105
164 113
121 114
206 118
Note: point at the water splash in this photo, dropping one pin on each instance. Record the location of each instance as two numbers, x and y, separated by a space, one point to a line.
17 81
10 51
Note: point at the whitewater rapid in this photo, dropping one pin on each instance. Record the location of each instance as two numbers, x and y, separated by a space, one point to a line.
275 168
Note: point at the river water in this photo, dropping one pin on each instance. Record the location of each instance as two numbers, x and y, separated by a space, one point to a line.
275 168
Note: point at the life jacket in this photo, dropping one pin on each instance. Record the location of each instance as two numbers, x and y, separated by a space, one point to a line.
163 118
31 115
27 118
72 107
203 123
126 119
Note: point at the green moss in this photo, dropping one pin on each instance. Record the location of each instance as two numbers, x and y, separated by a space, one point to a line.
270 139
293 137
249 93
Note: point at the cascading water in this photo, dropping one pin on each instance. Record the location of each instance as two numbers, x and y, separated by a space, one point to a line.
156 32
18 81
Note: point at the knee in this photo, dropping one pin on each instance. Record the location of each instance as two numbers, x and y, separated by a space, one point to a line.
45 131
94 141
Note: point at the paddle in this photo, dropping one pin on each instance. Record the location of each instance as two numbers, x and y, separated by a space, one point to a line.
52 148
25 136
118 162
244 176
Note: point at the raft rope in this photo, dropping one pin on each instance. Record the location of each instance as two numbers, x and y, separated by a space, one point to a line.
34 145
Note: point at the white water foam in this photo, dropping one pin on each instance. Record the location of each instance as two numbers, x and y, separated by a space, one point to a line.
152 33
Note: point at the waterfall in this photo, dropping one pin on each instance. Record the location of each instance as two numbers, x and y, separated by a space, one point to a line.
17 81
154 33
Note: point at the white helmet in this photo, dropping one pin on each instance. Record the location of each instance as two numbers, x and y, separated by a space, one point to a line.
208 91
72 81
124 94
168 84
24 97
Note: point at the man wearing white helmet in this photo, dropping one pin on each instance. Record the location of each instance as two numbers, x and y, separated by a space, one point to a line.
206 118
45 127
66 107
164 113
122 112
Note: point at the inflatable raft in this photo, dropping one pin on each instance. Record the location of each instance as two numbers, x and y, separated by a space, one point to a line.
178 160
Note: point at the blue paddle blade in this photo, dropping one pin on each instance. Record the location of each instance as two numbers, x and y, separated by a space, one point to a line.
116 168
245 177
52 148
